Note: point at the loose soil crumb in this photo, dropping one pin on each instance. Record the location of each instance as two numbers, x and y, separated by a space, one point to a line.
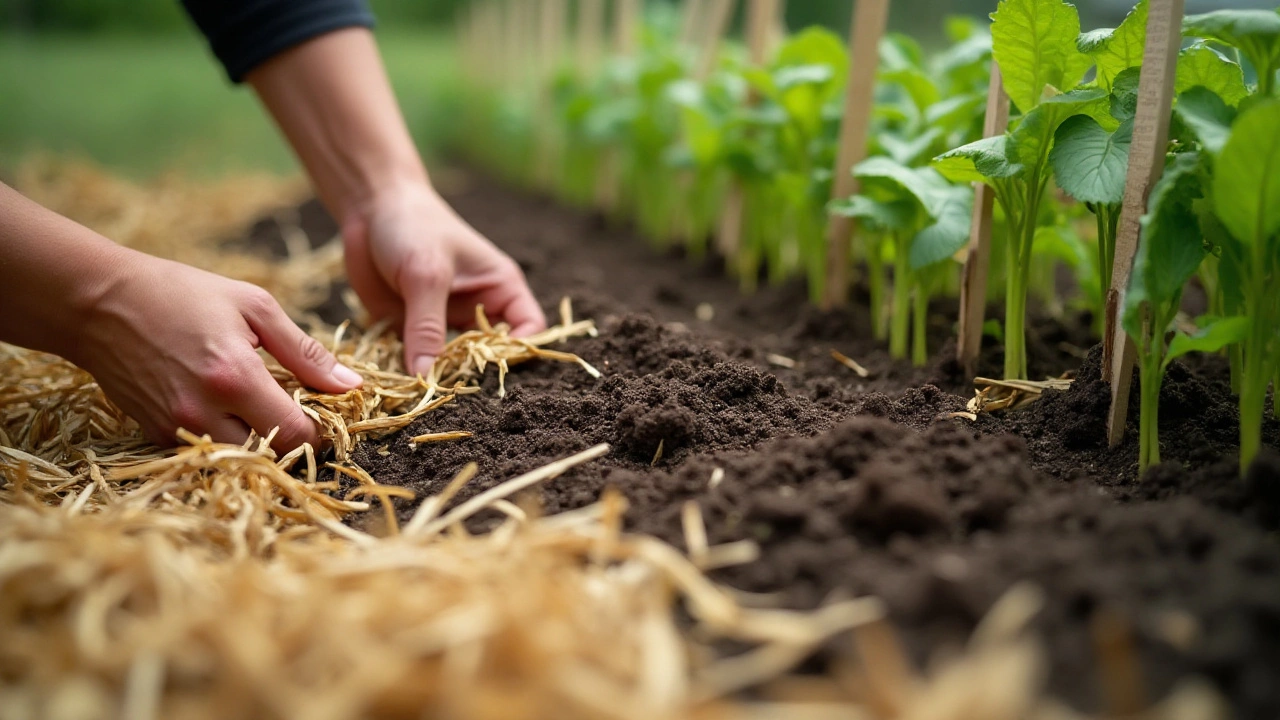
860 486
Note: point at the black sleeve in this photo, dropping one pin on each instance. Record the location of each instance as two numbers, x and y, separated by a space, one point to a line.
246 33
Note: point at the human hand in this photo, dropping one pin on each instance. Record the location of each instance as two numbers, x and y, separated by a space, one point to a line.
410 257
175 347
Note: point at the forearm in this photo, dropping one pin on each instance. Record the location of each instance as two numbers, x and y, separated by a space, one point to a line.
52 272
331 98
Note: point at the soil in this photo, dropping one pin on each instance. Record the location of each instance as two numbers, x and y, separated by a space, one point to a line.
866 486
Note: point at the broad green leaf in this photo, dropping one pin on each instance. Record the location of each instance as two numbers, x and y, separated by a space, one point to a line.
978 161
817 46
702 135
1031 141
960 28
897 215
1202 66
1246 178
955 112
949 232
1090 163
899 52
1171 248
1206 115
886 180
1256 33
1124 94
917 84
1034 41
909 151
1116 50
1210 338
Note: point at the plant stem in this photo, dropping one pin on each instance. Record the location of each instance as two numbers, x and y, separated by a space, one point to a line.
899 331
1149 421
1015 361
875 282
1253 390
920 321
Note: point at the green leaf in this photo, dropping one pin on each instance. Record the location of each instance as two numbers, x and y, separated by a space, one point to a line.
1090 163
1171 248
817 46
1031 141
1256 33
1202 66
1124 94
978 161
886 180
917 84
1034 41
1206 115
894 215
1210 338
909 151
1246 178
948 234
1114 51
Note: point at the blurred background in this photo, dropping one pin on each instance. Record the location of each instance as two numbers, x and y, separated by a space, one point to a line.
129 84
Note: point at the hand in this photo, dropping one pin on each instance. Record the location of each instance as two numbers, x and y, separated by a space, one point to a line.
411 258
175 347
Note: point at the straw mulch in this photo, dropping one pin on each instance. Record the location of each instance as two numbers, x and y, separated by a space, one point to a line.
219 581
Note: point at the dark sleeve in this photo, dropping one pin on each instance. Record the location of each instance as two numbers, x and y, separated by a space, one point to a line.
246 33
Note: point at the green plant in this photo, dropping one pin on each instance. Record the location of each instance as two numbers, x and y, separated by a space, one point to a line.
1171 250
920 221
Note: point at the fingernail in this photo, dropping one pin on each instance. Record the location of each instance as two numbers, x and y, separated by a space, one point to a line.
422 365
346 376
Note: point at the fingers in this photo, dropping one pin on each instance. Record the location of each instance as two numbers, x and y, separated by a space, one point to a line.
268 406
297 351
523 313
425 286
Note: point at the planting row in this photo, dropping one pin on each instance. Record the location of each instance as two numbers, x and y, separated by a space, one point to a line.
700 139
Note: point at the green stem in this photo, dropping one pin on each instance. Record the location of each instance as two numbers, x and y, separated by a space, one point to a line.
899 331
1015 336
919 343
1104 270
1149 421
875 282
1253 390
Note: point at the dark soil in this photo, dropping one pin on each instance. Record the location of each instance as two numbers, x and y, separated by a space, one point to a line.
863 486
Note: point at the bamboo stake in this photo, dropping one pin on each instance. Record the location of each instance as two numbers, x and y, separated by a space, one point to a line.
869 21
973 289
1146 164
719 14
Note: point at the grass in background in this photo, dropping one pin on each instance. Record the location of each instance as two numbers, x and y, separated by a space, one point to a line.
147 104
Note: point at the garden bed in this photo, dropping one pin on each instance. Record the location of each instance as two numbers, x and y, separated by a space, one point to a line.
869 485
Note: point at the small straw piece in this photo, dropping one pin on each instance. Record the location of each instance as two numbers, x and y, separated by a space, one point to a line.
440 437
850 363
511 487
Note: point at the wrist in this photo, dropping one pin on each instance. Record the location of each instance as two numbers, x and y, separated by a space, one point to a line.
102 272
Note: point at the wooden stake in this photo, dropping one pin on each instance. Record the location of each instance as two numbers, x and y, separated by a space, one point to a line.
1146 165
719 14
591 30
692 21
973 288
626 25
869 21
761 15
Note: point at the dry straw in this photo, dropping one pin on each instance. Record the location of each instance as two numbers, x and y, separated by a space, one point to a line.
220 581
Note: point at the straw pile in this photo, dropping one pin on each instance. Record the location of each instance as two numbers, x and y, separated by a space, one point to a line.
220 581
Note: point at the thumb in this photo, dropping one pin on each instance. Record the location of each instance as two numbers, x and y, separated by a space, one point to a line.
425 287
297 351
